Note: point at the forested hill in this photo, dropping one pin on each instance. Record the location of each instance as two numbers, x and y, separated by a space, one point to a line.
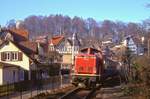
59 24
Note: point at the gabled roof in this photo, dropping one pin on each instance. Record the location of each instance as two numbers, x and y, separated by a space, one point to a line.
94 43
56 40
29 49
18 34
136 40
21 32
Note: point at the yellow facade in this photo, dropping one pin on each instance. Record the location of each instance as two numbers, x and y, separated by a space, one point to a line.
1 75
67 58
25 59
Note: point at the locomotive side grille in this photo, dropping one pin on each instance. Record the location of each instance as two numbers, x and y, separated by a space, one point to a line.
80 69
89 69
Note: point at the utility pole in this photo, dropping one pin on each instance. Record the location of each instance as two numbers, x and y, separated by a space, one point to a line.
73 38
72 67
60 33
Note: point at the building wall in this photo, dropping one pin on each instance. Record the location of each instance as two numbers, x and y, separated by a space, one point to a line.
1 76
67 61
67 58
10 75
25 59
132 46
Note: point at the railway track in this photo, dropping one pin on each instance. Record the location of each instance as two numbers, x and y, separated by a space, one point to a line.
70 93
92 92
80 93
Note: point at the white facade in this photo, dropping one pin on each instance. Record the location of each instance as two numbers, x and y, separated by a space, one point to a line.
10 75
66 48
15 71
132 46
128 42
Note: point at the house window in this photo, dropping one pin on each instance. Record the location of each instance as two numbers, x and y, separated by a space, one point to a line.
21 74
11 56
64 49
14 55
14 75
7 56
69 49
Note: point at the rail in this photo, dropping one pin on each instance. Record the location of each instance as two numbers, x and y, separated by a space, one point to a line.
77 90
91 93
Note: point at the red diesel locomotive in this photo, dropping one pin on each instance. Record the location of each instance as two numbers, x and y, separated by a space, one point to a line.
88 67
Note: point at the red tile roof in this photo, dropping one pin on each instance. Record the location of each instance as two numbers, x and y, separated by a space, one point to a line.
56 40
21 32
18 34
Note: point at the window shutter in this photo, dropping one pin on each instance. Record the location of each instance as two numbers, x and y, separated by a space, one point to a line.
2 56
20 56
11 56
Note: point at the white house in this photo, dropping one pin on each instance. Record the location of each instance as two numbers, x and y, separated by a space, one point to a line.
64 46
19 56
131 44
134 44
16 63
10 73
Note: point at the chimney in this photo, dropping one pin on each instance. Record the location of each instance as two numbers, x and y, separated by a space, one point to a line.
18 23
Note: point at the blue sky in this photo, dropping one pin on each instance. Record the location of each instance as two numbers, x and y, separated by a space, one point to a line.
122 10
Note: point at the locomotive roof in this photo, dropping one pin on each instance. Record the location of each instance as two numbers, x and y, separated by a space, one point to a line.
82 54
86 48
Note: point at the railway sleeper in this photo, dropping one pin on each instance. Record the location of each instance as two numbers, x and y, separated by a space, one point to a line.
85 82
